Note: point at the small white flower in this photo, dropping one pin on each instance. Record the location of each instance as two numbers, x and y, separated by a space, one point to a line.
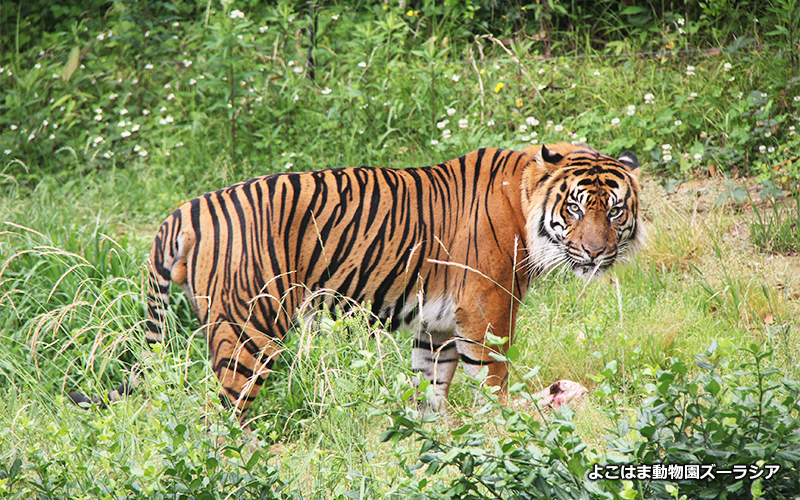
796 98
727 66
135 128
767 134
145 112
362 65
148 66
434 142
13 127
689 70
187 63
98 140
649 99
113 96
298 69
541 71
523 128
442 124
678 123
125 133
446 134
455 78
171 97
531 121
771 149
123 111
463 123
325 91
101 36
680 21
490 123
99 118
37 66
237 14
631 110
288 166
558 128
143 153
451 112
136 148
163 108
335 17
667 157
176 24
596 73
762 149
698 157
192 81
167 86
525 138
263 29
56 75
7 151
147 33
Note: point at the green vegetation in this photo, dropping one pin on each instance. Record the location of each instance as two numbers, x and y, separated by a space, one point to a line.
113 113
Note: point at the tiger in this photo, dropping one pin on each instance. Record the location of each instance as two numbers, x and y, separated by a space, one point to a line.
446 252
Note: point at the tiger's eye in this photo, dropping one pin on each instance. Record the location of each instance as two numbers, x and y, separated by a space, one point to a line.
574 209
614 212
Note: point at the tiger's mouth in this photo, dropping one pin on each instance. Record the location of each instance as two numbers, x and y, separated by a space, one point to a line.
591 270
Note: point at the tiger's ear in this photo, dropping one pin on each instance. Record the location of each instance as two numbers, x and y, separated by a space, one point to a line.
631 162
550 156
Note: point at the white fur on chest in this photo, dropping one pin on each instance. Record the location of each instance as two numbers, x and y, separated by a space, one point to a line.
433 315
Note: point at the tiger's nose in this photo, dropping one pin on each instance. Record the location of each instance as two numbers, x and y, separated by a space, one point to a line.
594 251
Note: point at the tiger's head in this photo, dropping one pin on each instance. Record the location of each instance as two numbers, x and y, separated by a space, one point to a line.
581 209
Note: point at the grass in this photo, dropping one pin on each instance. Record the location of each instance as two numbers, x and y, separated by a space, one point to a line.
80 212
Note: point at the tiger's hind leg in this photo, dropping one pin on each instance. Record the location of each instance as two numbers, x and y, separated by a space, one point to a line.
241 358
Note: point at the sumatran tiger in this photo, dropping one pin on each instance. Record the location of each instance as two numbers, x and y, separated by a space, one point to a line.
446 251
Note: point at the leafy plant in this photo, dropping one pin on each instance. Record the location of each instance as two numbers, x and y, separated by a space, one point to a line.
725 420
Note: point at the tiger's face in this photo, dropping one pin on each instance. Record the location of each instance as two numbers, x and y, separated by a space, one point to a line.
582 209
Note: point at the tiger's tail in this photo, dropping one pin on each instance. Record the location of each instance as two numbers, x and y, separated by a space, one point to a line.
160 265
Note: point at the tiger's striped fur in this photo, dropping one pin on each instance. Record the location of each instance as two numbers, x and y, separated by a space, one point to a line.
446 251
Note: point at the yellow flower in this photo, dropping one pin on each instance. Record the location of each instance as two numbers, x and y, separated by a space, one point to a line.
412 13
483 71
498 87
385 7
519 102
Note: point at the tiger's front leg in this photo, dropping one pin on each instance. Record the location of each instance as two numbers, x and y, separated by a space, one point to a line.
472 325
434 356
